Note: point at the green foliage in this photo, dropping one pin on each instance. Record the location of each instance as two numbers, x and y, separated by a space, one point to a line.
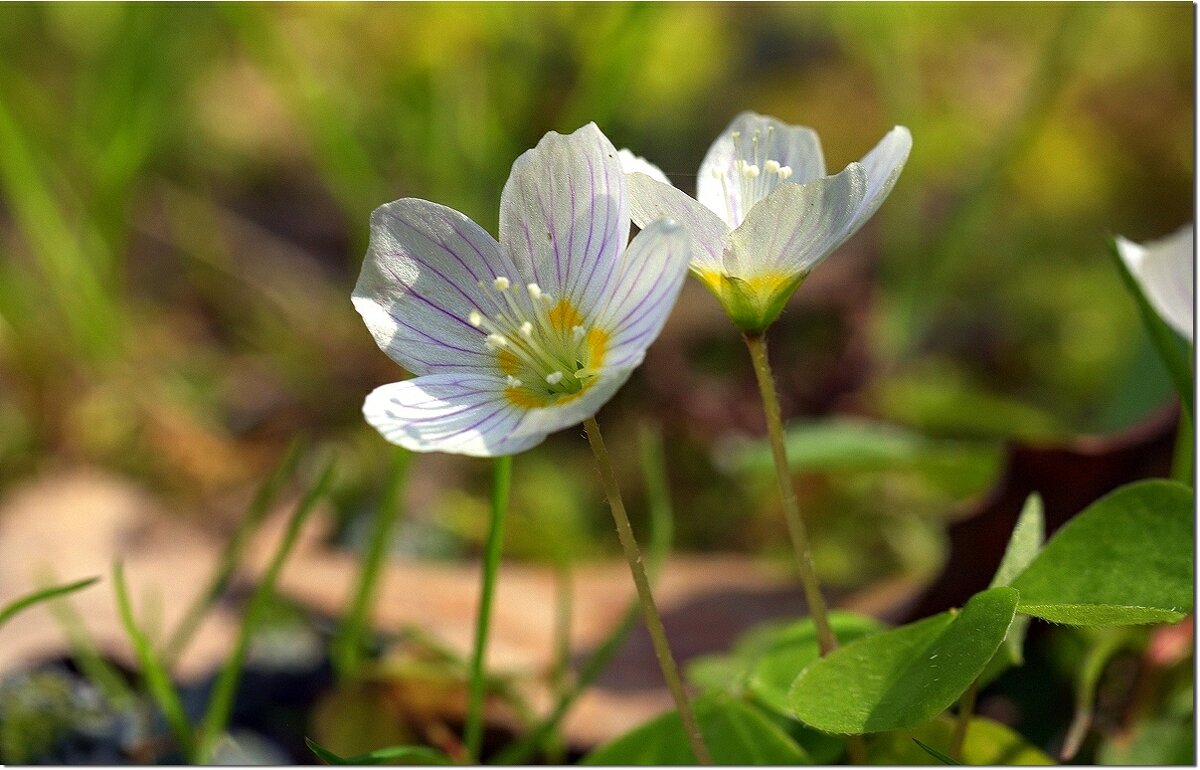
772 672
1126 559
906 676
987 743
37 597
736 733
393 755
1025 543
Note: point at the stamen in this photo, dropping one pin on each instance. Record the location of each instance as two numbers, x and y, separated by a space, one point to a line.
554 378
577 332
475 318
751 171
527 330
771 166
501 283
534 290
513 382
497 340
784 172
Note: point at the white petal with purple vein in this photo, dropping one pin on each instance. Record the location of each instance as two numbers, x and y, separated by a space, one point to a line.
649 278
420 282
883 165
636 164
724 185
707 234
460 413
564 217
797 226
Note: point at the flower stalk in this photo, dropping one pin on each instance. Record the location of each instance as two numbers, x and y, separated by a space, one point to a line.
501 484
757 344
653 620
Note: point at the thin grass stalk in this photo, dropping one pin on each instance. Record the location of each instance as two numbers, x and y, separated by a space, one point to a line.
347 644
231 556
220 705
501 486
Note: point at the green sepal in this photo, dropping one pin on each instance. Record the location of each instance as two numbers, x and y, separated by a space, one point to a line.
752 309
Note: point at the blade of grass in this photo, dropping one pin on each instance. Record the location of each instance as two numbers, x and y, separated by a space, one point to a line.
347 646
154 674
939 756
43 595
86 655
661 534
232 554
220 705
501 486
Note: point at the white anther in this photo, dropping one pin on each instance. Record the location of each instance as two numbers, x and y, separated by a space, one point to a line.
498 341
534 290
476 318
527 330
771 167
736 134
501 283
750 171
554 378
785 172
578 332
717 173
513 382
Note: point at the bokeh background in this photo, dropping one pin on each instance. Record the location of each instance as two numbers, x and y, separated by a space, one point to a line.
184 197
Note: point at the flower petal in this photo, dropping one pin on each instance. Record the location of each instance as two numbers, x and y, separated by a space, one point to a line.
883 165
794 228
722 185
651 274
707 234
1165 270
420 281
636 164
564 216
462 413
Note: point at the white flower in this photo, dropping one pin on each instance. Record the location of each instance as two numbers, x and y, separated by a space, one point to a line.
766 212
1164 269
514 340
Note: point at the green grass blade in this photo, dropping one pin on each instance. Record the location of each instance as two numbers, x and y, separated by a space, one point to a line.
154 673
347 646
86 655
501 487
931 751
220 705
266 496
45 594
661 534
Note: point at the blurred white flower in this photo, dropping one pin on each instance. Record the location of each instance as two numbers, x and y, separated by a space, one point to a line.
1165 271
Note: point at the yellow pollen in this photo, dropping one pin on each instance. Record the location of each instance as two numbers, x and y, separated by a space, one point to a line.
564 316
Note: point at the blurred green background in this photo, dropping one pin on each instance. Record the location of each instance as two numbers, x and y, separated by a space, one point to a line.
185 189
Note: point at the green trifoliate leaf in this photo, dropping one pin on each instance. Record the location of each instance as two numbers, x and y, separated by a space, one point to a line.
1126 559
906 676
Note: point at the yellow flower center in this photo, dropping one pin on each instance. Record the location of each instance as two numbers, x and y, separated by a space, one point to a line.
543 345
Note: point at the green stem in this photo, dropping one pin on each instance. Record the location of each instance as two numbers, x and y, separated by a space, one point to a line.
501 483
966 709
826 640
1183 460
658 635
